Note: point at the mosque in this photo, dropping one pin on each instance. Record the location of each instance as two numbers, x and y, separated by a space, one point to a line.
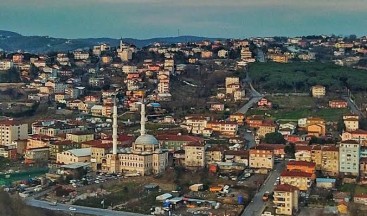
144 158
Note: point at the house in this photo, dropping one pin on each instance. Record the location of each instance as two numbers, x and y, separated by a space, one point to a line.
74 155
351 124
194 155
225 128
176 142
240 156
278 149
360 199
261 158
195 124
318 91
304 166
349 154
286 199
316 130
338 104
299 179
358 135
237 117
254 121
216 107
267 126
264 103
330 160
327 183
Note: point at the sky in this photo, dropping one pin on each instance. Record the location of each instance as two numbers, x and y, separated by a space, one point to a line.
163 18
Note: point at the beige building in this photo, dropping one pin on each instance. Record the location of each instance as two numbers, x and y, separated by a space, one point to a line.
330 161
286 199
144 158
351 124
98 154
318 91
11 130
213 155
195 155
265 128
195 125
36 155
61 146
261 158
299 179
80 136
74 156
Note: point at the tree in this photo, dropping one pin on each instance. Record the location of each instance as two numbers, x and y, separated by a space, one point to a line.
290 150
274 138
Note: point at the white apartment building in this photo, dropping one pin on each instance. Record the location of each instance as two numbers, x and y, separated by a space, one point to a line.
349 154
11 130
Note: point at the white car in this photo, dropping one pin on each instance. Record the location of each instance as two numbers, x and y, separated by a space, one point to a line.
72 209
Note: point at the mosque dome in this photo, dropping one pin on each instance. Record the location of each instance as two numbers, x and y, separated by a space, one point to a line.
146 139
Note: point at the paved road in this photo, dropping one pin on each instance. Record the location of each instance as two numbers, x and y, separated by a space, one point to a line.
257 205
249 137
353 107
79 209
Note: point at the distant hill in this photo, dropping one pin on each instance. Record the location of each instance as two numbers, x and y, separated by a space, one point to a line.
12 42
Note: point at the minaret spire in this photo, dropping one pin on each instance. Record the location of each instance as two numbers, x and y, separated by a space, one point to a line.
142 118
114 127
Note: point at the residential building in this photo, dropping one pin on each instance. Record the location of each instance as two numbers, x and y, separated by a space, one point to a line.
299 179
6 65
264 103
9 152
278 149
316 156
304 166
238 157
349 154
318 91
195 155
80 136
303 153
351 124
330 160
358 135
129 69
261 158
225 128
214 154
363 168
177 142
195 124
11 130
237 117
36 155
74 156
61 146
266 127
340 104
254 121
360 199
286 199
316 130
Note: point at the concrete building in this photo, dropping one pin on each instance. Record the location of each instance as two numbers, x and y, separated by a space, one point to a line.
74 156
80 136
11 130
261 158
301 180
36 155
286 199
195 155
349 154
318 91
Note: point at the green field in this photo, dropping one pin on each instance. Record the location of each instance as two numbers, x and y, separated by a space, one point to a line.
300 76
353 189
297 113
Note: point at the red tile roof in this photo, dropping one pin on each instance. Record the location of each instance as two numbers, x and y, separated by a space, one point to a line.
172 137
303 148
295 174
273 146
9 122
349 142
285 188
301 163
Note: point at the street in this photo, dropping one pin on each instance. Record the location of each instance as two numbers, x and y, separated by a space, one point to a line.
78 209
257 205
353 107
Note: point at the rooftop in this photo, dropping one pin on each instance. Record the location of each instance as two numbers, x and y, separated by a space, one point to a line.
80 152
285 188
295 174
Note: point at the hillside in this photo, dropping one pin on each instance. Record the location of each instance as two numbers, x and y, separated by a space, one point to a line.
300 76
12 42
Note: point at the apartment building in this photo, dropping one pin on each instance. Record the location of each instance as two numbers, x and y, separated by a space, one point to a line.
266 127
349 154
358 135
299 179
80 136
214 154
60 146
304 166
286 199
261 158
330 161
177 142
351 124
318 91
11 130
195 125
225 128
194 155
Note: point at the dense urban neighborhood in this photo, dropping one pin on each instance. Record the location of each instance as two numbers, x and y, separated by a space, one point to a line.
257 126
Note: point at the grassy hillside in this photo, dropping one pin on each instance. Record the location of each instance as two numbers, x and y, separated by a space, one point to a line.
300 76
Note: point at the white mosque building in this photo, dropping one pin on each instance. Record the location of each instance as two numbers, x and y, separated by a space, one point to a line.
145 157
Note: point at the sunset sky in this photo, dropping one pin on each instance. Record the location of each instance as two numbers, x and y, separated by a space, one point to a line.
161 18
